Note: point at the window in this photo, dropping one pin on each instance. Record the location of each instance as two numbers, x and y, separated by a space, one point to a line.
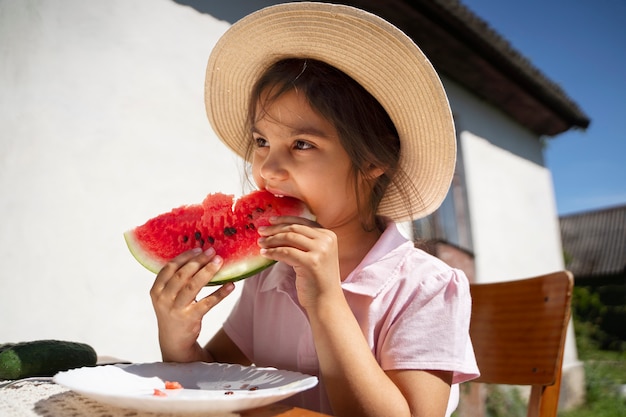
450 223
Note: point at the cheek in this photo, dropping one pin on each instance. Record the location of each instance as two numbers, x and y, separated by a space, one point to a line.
256 174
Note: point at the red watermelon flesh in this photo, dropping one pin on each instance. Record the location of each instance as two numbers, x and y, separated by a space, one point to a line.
230 229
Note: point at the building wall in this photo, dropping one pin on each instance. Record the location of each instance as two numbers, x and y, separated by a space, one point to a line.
512 208
102 125
511 201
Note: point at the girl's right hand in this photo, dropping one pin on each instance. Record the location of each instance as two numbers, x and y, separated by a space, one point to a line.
179 314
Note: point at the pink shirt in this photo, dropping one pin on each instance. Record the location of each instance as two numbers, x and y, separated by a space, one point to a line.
413 309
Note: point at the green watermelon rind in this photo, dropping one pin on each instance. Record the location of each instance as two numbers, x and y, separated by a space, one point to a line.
140 255
231 272
227 274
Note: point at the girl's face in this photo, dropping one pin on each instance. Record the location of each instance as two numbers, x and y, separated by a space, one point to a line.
298 154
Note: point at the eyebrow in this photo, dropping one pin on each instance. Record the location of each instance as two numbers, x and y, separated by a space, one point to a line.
306 131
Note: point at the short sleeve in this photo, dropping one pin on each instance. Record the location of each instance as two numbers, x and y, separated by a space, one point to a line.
428 326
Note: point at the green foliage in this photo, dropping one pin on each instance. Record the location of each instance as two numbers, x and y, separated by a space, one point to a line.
608 407
605 370
599 316
505 401
604 373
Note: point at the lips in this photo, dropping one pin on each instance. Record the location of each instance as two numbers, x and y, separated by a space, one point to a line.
277 193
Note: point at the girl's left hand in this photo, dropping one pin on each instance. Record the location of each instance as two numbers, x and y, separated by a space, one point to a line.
311 250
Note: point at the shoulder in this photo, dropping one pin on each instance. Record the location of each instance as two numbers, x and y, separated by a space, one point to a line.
395 265
427 276
415 269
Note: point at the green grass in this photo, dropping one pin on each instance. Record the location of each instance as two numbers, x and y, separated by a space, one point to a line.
605 372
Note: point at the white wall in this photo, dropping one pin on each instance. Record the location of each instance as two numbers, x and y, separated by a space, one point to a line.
511 201
102 126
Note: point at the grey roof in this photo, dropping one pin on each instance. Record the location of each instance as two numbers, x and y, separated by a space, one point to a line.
594 243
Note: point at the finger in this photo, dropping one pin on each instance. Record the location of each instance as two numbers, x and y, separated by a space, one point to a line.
287 238
305 230
288 255
293 220
207 303
190 278
299 236
166 273
194 283
180 277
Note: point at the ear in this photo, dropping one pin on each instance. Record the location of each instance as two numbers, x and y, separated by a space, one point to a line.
373 172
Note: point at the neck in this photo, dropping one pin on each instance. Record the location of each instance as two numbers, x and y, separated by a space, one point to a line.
354 243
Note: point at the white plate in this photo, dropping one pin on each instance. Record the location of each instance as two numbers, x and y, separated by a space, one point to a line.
207 387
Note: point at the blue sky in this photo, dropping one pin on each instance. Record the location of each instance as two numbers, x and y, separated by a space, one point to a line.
580 45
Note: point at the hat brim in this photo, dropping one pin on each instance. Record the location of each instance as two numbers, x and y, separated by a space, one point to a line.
373 52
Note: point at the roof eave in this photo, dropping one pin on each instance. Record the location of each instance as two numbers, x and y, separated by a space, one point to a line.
463 48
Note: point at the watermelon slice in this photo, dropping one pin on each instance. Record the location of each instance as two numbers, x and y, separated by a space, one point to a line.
220 222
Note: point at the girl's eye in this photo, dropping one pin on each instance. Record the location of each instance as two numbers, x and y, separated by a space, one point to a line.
302 145
260 142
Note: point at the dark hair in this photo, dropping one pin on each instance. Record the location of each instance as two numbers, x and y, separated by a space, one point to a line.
365 129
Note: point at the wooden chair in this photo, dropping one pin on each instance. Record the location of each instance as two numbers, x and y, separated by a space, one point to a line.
518 330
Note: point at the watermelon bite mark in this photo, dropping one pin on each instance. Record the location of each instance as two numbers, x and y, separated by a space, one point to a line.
231 229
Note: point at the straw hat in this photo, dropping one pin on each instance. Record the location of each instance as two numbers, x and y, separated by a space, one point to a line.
370 50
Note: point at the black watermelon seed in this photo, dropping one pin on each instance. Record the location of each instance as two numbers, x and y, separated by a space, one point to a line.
251 226
198 235
229 231
210 239
259 210
185 239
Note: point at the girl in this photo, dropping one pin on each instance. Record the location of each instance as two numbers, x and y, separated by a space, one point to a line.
335 107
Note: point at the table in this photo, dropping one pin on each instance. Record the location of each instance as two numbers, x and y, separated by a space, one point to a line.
38 398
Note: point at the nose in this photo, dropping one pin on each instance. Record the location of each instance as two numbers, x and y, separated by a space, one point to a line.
272 165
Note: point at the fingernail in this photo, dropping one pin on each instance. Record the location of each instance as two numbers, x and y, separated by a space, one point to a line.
210 251
196 250
216 260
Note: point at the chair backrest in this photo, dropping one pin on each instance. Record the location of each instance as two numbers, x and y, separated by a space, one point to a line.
518 331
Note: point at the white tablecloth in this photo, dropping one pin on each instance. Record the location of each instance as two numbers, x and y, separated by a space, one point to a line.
47 399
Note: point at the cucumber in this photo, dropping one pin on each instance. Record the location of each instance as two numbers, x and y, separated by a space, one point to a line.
5 346
43 358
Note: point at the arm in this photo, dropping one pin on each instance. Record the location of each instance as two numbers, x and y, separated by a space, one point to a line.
222 349
356 384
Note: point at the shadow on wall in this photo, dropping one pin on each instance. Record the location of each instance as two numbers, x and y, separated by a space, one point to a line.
230 11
